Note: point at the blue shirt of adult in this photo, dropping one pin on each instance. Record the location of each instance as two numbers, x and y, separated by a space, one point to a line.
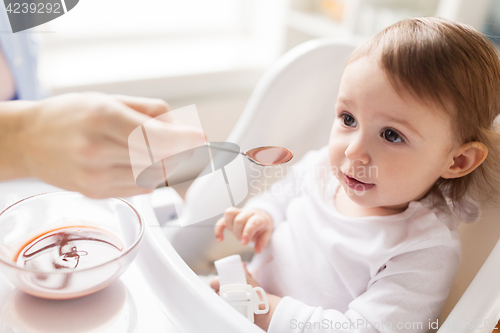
20 51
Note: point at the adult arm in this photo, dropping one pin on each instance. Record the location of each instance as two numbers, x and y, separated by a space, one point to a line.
79 142
11 123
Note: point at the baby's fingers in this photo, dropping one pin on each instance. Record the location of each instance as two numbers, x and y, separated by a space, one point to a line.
219 227
226 221
214 284
240 222
229 215
255 225
262 240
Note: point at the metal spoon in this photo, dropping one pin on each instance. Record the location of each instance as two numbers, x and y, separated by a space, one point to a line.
264 156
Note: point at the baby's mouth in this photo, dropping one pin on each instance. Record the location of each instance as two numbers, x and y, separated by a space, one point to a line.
356 184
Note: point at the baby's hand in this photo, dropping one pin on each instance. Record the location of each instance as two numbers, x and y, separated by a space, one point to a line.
246 225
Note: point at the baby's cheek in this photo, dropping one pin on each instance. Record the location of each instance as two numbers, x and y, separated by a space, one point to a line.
332 155
404 182
336 146
335 160
393 175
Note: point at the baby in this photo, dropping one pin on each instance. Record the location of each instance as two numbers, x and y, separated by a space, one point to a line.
372 243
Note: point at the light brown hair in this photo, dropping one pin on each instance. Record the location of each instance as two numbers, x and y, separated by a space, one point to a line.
455 67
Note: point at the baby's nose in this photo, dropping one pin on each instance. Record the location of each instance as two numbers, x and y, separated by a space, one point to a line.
357 150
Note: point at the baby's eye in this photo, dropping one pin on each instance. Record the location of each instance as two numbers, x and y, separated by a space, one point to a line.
392 136
348 120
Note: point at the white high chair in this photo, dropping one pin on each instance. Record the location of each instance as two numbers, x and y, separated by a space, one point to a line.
293 107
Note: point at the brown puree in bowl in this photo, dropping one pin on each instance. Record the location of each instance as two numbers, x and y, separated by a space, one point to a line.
69 248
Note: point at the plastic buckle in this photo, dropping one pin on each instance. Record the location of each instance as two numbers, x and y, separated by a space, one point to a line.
245 299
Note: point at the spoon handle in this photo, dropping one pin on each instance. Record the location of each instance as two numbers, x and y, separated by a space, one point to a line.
224 149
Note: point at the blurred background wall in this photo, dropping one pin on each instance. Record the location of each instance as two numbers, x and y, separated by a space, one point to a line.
210 53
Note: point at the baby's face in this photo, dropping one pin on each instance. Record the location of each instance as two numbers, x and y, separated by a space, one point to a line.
395 144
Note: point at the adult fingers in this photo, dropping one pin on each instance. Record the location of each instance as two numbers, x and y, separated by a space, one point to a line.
164 140
152 107
120 176
219 229
167 139
115 192
127 192
115 120
102 179
101 152
118 121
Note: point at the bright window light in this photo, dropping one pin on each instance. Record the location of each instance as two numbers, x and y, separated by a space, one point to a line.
117 41
131 17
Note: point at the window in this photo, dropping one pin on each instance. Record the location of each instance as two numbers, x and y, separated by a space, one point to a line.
135 18
109 41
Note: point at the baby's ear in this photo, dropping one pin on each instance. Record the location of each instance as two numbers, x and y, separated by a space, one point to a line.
466 159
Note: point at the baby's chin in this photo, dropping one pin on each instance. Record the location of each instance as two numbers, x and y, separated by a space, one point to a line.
365 199
371 208
375 205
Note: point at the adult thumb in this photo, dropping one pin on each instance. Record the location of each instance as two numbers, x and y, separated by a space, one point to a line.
152 107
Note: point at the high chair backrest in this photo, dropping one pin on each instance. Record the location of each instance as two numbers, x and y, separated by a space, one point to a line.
294 106
476 287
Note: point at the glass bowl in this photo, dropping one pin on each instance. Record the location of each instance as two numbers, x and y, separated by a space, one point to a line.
64 245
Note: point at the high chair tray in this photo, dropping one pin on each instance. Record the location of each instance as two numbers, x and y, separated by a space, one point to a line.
158 293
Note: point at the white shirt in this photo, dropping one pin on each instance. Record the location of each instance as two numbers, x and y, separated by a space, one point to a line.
377 272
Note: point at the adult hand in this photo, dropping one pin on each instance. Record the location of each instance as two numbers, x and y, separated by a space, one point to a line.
79 142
